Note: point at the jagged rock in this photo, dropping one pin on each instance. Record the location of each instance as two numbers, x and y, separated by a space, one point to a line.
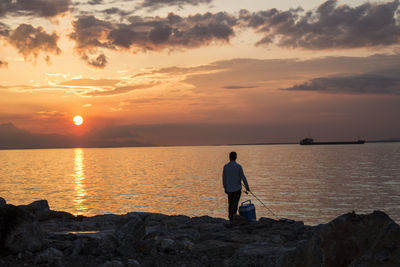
351 240
60 215
39 208
49 255
114 263
2 201
215 248
133 231
133 263
100 243
167 245
19 230
162 240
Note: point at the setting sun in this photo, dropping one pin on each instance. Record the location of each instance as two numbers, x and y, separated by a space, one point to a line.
78 120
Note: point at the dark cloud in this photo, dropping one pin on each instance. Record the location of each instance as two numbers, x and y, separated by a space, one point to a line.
95 2
329 26
4 30
144 34
155 4
239 86
117 11
89 35
99 62
383 82
30 41
38 8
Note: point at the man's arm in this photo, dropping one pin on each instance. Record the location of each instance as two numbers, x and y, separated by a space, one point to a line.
241 174
224 179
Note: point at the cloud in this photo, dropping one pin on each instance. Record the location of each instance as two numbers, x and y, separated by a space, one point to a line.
105 87
30 41
150 33
379 81
328 27
35 8
4 30
115 10
90 82
89 35
272 74
95 2
3 64
156 4
239 86
386 82
122 89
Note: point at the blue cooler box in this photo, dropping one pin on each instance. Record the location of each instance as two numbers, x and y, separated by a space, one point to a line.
248 211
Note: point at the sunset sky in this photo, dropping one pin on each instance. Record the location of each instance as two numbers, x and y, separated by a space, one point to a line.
196 72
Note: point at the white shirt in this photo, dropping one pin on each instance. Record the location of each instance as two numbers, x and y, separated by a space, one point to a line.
232 176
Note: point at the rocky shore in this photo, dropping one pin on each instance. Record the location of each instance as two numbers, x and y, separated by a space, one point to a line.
35 235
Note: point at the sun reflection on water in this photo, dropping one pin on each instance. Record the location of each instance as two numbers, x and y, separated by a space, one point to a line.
79 187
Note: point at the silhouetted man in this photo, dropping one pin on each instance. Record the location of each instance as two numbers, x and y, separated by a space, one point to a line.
232 177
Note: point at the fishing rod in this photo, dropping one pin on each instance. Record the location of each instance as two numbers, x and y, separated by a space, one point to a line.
261 202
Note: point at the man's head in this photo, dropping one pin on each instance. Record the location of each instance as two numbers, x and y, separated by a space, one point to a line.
232 156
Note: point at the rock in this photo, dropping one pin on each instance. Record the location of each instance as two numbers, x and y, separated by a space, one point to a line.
49 255
147 246
131 232
133 263
100 243
161 240
2 201
60 215
19 230
113 263
27 236
213 248
167 245
39 208
351 240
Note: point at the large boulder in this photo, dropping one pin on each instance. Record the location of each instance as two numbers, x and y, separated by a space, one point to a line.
351 240
19 230
39 208
2 201
49 255
132 231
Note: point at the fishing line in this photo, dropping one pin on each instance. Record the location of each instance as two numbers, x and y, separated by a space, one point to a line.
262 203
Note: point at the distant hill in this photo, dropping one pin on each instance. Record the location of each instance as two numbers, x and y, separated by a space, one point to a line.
12 137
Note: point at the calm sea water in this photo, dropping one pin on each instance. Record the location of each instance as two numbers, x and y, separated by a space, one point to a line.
309 183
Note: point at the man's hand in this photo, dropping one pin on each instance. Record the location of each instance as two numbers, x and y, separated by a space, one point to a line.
247 188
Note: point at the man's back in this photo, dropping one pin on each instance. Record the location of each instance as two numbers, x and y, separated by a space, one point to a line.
232 175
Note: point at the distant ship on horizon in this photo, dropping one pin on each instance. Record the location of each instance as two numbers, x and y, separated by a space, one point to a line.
310 141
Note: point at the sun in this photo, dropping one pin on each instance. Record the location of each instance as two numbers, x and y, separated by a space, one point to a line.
78 120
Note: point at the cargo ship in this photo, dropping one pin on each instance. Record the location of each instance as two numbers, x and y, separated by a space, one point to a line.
310 141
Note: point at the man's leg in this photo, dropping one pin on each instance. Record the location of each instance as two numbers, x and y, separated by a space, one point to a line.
233 201
230 205
236 198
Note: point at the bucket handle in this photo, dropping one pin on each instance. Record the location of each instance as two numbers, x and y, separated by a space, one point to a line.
249 201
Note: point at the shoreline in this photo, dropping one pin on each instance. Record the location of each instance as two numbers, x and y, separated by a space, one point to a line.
36 235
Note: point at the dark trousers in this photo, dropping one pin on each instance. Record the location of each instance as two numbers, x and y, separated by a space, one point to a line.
233 201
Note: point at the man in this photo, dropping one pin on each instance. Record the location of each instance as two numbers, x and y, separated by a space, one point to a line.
232 177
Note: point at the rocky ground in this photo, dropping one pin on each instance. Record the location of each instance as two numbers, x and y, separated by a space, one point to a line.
35 235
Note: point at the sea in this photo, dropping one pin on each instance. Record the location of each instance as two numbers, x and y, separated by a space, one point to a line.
313 184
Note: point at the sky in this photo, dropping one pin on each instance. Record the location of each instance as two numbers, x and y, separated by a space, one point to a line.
198 72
